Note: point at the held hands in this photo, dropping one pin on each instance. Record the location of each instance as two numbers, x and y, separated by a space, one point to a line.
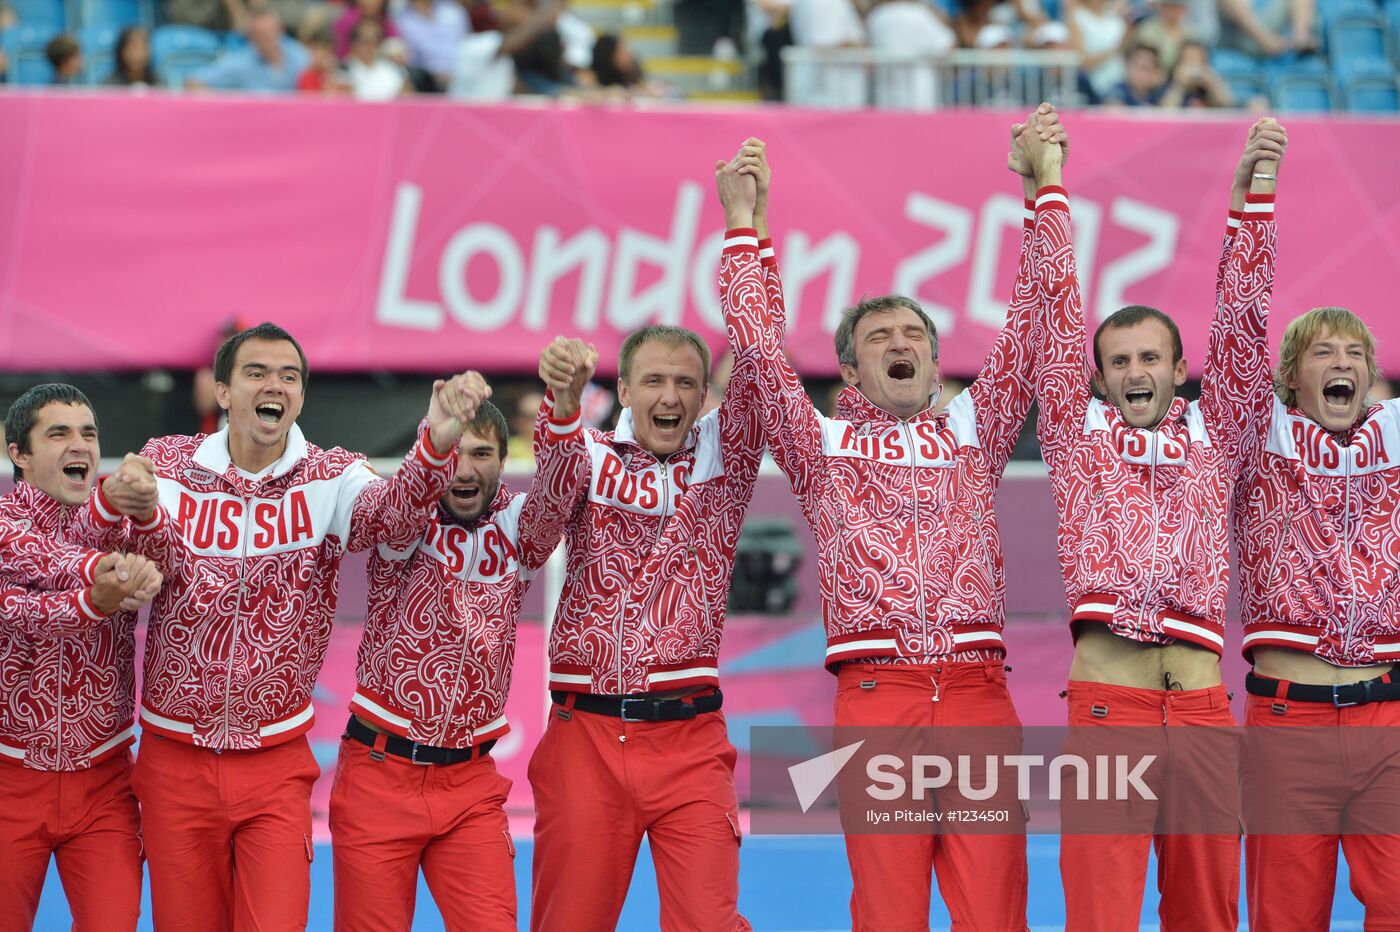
1044 123
1263 151
124 582
738 192
753 160
132 489
566 366
454 404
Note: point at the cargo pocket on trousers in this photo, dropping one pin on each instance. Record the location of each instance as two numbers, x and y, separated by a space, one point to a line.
510 843
310 848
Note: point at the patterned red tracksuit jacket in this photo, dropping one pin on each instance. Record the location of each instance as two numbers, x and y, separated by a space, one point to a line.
1144 514
238 633
434 663
66 682
908 552
651 544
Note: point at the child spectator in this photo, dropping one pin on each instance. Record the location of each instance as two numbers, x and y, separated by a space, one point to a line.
1144 82
324 76
67 60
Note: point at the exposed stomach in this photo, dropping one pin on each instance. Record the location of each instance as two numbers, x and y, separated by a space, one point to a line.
1296 666
1100 656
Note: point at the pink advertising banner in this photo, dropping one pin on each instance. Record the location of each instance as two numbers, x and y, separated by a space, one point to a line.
430 237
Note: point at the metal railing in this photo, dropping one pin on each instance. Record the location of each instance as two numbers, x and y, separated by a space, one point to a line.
848 78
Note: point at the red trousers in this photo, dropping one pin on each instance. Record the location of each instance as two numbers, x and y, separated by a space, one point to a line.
1196 781
982 878
87 820
391 816
1291 878
228 835
601 783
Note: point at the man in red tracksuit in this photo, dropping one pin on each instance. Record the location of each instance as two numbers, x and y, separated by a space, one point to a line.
256 520
66 678
1143 481
901 499
416 784
1319 544
636 743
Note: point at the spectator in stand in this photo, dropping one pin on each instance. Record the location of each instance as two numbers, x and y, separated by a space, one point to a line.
770 31
485 66
1097 30
273 61
908 27
372 75
432 30
1194 83
1165 29
827 24
131 60
617 71
1269 28
362 9
972 15
324 75
67 60
1144 82
551 63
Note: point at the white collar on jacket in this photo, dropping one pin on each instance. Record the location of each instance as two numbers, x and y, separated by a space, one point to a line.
626 433
213 453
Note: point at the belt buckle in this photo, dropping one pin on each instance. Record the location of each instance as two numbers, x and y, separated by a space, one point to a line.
413 756
637 701
1336 698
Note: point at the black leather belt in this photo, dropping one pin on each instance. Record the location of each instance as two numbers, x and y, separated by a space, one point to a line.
1380 689
411 750
642 708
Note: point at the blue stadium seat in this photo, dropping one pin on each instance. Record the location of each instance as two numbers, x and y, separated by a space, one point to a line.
1330 10
1246 87
184 41
41 14
98 44
1229 61
1357 37
116 13
1373 95
1304 93
1348 68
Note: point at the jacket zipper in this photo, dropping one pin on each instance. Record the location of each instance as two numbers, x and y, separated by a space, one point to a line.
461 661
242 594
918 552
1156 537
1346 556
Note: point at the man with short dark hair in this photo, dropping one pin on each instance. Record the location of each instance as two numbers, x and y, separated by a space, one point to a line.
901 499
66 677
415 784
250 525
636 743
1143 483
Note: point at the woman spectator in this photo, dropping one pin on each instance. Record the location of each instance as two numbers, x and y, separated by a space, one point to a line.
131 60
1097 29
616 69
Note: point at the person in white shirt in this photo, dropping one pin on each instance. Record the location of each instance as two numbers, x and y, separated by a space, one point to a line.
373 77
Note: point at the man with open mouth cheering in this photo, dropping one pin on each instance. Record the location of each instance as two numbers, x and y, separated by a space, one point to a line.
1143 484
256 520
901 499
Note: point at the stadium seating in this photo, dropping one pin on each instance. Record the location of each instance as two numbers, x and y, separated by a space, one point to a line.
1304 93
1373 95
178 50
48 15
99 44
117 14
24 46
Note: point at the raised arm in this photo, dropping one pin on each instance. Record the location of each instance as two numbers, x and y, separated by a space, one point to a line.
1062 373
1237 383
561 456
1002 392
396 511
788 420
